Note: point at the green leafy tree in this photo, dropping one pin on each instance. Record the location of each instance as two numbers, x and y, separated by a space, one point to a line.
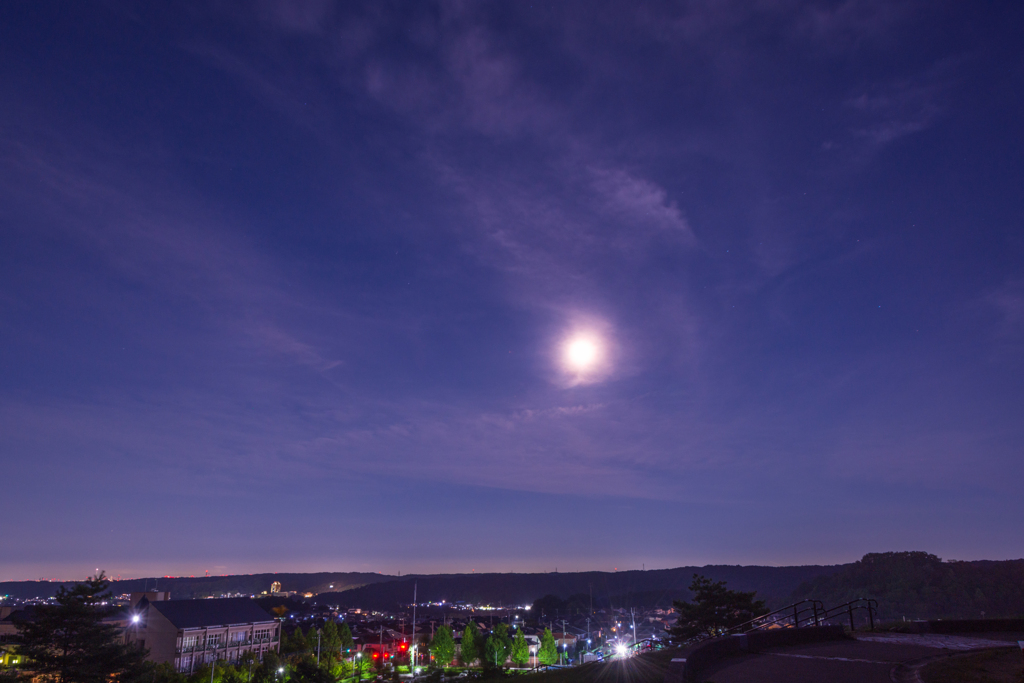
227 673
294 642
266 672
548 653
520 649
70 643
312 640
713 609
248 663
345 634
330 643
494 652
501 632
470 648
442 647
307 671
164 672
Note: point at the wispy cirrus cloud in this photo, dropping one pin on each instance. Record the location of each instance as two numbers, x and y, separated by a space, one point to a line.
156 233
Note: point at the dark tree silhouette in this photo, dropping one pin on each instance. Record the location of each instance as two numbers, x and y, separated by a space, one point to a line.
70 642
714 608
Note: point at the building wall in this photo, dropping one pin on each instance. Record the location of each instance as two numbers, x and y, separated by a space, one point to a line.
155 632
189 649
195 647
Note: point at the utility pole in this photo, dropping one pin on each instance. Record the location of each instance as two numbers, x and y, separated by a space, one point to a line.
632 615
415 585
564 644
318 647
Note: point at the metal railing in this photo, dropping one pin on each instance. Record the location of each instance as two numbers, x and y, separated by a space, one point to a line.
869 605
798 615
803 613
223 645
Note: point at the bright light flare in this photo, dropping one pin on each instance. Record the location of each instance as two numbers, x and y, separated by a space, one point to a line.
585 352
581 353
621 650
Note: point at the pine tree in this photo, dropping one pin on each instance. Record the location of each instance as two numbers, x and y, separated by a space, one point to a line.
70 643
470 649
713 609
548 653
443 646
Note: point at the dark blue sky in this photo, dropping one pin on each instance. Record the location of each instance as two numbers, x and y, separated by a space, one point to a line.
290 285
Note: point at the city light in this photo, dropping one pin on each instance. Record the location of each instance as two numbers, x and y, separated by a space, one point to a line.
621 650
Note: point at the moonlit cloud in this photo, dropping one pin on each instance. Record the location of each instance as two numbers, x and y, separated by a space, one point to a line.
369 261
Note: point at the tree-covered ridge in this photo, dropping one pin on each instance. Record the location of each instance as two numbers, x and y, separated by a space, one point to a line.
919 585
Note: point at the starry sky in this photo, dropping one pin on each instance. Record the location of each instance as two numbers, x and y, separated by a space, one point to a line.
391 286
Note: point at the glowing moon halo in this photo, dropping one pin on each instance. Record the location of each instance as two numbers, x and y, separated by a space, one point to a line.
581 353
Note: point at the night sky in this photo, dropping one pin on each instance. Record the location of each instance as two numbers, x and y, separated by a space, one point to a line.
402 286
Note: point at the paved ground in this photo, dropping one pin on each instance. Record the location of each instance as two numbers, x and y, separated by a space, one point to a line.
945 642
871 658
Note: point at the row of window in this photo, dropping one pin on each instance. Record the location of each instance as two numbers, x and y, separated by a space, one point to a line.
214 639
189 662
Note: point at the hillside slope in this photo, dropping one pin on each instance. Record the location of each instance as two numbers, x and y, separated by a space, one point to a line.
918 585
205 586
616 589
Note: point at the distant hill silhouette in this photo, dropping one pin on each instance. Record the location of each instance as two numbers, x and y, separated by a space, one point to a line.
914 585
205 586
610 589
917 585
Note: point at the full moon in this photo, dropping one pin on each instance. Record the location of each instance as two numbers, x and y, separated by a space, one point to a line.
581 353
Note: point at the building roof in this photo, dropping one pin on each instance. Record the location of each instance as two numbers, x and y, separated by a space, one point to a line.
22 614
216 612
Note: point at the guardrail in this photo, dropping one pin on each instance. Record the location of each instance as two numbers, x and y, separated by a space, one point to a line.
803 613
869 605
798 615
